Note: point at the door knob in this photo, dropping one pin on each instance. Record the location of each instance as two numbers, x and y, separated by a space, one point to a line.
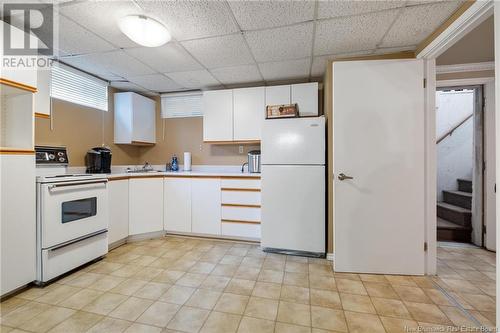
344 177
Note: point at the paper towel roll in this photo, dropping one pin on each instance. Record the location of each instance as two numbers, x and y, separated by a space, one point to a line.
187 161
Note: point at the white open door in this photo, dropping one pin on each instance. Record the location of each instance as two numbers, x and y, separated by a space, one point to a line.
378 119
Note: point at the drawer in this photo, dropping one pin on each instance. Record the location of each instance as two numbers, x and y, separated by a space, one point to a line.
240 183
240 197
241 213
246 230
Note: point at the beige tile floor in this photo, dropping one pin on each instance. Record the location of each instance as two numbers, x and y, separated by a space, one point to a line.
196 285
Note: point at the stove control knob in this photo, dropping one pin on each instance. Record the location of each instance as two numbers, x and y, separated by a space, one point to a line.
60 154
61 159
51 156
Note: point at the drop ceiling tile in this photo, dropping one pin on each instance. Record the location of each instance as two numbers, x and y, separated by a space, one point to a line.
120 63
74 39
283 43
167 58
284 70
352 34
237 74
320 62
85 64
156 82
417 22
101 17
386 50
194 79
337 8
129 86
222 51
192 19
268 14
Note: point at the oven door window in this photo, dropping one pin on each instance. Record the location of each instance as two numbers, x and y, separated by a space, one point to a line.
78 209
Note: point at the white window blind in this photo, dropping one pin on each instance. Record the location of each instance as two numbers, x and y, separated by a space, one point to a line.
69 84
181 105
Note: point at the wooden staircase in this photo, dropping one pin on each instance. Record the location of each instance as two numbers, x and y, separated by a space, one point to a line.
454 214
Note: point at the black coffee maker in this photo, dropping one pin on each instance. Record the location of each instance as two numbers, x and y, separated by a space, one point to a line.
98 160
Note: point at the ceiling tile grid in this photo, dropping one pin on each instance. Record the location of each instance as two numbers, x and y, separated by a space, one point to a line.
156 82
195 79
171 57
339 8
120 63
285 43
417 22
285 70
89 66
192 19
223 51
252 15
237 74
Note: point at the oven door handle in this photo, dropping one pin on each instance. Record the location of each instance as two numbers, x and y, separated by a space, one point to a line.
73 184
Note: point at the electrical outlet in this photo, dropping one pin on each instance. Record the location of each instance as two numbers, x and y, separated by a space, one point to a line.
240 149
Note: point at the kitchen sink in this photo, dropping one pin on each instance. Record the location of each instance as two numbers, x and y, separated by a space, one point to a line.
143 171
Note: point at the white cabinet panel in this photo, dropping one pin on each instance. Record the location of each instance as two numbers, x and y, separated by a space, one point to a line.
277 95
240 197
241 183
218 115
177 208
306 97
118 210
248 113
250 214
135 117
145 205
42 96
205 206
245 230
18 221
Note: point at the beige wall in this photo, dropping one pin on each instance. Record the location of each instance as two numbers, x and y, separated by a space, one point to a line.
80 128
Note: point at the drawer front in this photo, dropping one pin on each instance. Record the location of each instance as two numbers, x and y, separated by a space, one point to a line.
240 183
246 230
241 213
240 197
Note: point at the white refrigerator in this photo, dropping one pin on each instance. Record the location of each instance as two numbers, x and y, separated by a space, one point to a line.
293 186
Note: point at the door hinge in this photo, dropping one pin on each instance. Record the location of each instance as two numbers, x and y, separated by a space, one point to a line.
425 246
425 83
484 229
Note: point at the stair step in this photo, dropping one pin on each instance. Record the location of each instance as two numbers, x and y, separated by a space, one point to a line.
455 214
464 185
443 224
458 198
448 231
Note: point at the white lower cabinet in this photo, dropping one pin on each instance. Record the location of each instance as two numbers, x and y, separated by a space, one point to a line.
206 206
177 208
118 193
145 205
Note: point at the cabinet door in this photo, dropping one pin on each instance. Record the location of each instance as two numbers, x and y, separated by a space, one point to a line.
18 227
144 126
42 96
145 205
306 97
218 115
277 95
206 207
118 210
248 113
177 209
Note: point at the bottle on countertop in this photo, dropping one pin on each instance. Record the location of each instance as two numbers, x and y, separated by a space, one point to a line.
175 164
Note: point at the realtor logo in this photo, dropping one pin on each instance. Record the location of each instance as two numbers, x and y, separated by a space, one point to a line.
29 30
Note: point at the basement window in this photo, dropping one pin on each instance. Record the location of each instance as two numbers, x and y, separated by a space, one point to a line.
74 86
181 105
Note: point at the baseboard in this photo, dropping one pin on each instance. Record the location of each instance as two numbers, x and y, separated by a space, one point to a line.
214 237
330 256
144 236
118 243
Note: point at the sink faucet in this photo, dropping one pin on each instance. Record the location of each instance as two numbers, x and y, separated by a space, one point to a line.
147 167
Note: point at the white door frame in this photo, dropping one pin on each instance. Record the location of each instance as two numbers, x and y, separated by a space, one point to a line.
470 19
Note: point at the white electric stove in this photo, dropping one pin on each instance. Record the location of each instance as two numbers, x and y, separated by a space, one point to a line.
72 215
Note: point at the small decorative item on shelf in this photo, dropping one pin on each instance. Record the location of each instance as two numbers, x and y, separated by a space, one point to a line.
282 111
175 164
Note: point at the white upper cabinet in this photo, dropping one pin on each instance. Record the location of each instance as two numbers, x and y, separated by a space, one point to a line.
205 206
218 115
42 96
248 113
306 97
277 95
135 117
